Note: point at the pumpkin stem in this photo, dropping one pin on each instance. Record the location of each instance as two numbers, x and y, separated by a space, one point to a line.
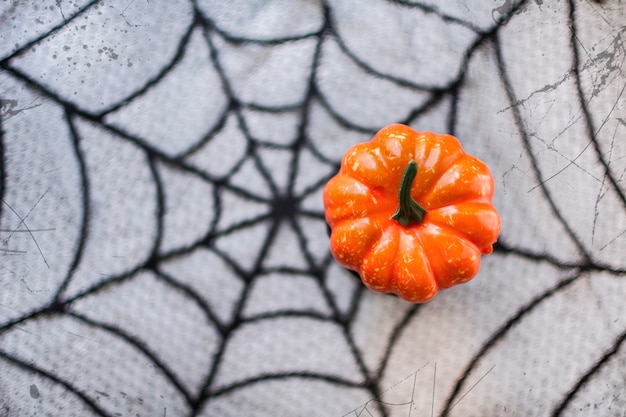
408 210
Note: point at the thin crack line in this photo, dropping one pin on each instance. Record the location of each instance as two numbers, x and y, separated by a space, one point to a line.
22 222
472 387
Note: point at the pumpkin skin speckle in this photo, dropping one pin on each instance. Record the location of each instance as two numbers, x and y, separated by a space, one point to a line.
430 239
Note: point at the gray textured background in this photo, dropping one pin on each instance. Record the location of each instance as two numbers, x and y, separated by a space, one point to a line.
163 250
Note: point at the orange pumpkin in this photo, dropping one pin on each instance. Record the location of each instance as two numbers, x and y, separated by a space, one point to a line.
411 212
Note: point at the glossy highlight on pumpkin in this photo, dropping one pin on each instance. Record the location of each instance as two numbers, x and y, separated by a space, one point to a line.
436 250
